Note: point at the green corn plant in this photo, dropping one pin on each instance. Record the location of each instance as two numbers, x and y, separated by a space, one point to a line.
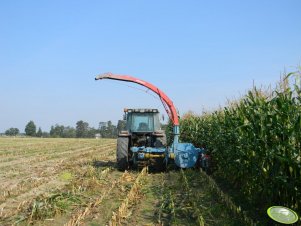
256 143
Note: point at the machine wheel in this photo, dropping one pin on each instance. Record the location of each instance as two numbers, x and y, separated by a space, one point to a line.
122 153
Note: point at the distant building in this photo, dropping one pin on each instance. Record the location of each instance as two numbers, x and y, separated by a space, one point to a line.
97 136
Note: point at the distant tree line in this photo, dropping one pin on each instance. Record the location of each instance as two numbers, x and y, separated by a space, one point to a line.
81 130
12 132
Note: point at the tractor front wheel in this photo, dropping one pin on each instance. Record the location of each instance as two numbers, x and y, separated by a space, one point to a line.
122 153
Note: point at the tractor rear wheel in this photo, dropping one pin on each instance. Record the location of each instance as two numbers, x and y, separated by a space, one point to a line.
122 153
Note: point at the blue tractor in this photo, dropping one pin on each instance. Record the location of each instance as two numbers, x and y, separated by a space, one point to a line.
142 142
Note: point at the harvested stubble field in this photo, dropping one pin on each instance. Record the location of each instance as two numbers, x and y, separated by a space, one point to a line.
75 182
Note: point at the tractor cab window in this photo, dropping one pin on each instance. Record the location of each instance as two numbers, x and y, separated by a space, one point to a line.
142 122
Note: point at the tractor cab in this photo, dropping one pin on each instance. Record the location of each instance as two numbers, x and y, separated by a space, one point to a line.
143 127
142 120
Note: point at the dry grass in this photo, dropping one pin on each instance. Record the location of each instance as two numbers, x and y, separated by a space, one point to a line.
32 167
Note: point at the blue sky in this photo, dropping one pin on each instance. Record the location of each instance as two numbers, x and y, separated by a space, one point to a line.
200 53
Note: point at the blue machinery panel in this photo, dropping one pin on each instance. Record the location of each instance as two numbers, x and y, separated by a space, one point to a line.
185 155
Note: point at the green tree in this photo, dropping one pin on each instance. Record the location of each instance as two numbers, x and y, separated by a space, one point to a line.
107 130
30 129
62 131
12 132
45 134
112 130
57 131
92 131
121 125
69 132
39 133
82 129
102 129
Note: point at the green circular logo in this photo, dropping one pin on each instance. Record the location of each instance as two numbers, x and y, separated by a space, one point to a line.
283 215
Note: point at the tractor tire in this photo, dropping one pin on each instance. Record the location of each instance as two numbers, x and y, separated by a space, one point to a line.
122 153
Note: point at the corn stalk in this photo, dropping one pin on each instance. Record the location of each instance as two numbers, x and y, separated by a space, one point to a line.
255 144
123 210
196 209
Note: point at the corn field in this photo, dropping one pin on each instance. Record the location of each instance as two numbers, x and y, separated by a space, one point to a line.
255 143
50 181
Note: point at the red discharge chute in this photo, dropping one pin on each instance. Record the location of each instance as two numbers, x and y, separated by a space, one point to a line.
167 103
